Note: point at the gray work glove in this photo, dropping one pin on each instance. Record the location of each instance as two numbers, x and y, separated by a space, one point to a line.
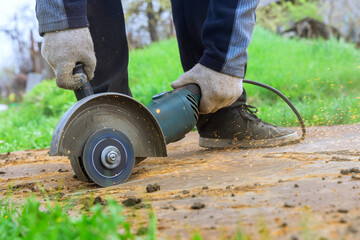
63 49
218 90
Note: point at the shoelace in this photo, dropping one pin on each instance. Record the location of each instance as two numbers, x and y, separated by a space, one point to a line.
248 112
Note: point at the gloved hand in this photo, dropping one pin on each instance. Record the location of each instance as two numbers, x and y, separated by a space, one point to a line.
218 90
63 49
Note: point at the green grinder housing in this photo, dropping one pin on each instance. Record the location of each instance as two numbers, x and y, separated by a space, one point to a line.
176 111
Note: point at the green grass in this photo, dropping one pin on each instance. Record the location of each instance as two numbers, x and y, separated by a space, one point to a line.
322 79
44 221
31 124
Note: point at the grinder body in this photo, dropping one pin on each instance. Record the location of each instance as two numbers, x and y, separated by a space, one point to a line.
176 111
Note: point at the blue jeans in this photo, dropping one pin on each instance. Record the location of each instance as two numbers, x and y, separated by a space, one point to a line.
107 26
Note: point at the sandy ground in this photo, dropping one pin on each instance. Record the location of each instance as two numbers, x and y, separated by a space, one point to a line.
290 192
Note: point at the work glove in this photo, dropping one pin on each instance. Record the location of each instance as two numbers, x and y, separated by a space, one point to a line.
218 90
63 49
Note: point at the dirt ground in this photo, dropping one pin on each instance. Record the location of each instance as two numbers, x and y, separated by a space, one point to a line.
290 192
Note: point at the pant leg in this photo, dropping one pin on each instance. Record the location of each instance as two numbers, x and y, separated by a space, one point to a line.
189 17
107 27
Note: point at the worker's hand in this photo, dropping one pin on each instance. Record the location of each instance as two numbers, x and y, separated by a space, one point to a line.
218 90
63 49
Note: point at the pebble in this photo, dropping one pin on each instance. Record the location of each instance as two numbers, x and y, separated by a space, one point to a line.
343 211
152 188
131 202
198 205
288 205
100 200
342 220
350 170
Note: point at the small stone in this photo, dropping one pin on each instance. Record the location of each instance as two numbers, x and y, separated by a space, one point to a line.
205 187
2 172
232 194
193 196
339 182
323 178
296 186
294 238
43 170
280 180
152 188
228 187
343 220
185 192
343 211
350 170
284 224
198 205
100 201
131 202
288 205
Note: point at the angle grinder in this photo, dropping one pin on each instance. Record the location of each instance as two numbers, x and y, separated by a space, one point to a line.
106 134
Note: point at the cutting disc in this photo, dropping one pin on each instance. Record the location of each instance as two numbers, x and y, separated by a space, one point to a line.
108 157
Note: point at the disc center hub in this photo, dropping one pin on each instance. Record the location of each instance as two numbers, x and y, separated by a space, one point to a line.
110 157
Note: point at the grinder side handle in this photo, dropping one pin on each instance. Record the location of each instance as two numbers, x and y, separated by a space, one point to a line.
85 90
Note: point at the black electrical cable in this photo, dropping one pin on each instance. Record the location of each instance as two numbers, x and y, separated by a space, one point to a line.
274 90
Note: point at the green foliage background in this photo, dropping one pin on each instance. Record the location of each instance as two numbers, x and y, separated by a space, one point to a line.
322 79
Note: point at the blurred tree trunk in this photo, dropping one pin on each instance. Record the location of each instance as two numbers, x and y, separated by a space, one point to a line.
147 21
152 21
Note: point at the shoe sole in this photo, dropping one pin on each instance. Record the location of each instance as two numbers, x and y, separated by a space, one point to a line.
226 143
